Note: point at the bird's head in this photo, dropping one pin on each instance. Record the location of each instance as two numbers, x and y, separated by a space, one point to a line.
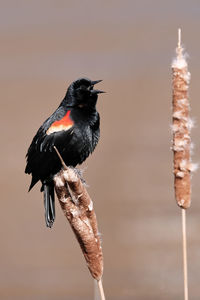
81 93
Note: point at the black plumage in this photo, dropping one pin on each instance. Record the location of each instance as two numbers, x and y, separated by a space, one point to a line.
74 129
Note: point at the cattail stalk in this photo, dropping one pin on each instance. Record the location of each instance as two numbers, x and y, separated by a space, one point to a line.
185 267
78 209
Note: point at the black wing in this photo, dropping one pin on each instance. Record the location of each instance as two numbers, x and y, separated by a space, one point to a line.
42 161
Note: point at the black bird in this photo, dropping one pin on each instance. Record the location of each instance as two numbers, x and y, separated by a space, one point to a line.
74 129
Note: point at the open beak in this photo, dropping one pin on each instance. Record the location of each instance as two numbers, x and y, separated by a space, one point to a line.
96 91
95 82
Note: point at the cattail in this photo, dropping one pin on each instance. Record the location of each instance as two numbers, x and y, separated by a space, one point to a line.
79 211
181 129
182 146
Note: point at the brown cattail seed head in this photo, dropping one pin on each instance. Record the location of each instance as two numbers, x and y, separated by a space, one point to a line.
181 129
78 208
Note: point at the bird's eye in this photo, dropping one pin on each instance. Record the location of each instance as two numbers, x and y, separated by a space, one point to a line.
85 88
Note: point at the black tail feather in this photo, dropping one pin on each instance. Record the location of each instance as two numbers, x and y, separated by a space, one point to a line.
49 203
33 182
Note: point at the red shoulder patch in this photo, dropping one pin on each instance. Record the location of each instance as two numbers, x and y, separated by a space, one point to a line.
64 124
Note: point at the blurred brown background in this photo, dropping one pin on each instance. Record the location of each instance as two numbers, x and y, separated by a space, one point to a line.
44 46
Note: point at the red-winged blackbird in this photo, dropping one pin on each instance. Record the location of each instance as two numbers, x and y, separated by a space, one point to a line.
74 129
